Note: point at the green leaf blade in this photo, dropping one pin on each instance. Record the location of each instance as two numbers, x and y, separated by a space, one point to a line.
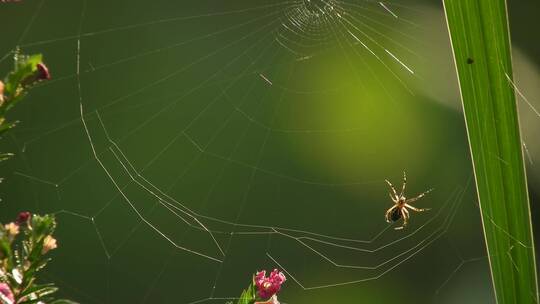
481 44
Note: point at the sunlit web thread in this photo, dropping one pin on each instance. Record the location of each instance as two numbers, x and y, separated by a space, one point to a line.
309 131
504 231
375 9
143 218
132 206
435 235
168 76
532 107
428 240
350 248
358 20
520 94
305 17
210 298
165 196
337 33
275 230
342 36
127 96
271 6
118 156
341 21
466 261
299 131
154 51
225 95
462 263
254 172
183 132
183 18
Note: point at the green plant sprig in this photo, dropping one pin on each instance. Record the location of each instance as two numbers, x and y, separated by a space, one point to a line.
27 71
22 256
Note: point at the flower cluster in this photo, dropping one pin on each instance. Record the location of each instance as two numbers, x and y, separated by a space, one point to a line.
269 286
28 71
263 289
23 246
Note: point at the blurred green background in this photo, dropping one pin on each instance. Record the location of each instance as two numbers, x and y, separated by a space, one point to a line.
266 113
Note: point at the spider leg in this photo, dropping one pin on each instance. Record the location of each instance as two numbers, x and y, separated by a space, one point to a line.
414 199
389 213
416 209
404 184
393 189
405 215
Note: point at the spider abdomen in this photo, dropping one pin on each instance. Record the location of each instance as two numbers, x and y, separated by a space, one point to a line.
395 215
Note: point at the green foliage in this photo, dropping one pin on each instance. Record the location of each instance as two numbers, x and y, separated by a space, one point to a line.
21 258
27 71
24 75
481 45
24 245
248 296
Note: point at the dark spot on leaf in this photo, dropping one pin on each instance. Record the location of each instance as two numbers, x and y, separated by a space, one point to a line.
470 61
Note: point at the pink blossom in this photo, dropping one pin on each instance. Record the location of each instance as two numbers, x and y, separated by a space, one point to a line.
49 243
267 287
12 230
6 293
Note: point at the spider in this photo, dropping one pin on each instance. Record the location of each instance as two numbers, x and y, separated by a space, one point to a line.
402 204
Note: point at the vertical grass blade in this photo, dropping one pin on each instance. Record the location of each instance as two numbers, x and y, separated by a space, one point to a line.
481 44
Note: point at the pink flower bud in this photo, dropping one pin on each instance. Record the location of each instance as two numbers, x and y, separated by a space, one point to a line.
43 72
6 294
23 218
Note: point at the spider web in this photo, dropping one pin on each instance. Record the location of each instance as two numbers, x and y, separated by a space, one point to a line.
184 146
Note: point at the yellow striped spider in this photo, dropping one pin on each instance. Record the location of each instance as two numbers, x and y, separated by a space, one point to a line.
402 204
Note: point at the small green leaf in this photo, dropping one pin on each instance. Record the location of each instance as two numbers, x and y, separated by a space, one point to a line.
42 290
5 126
42 225
24 75
25 66
247 296
5 156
